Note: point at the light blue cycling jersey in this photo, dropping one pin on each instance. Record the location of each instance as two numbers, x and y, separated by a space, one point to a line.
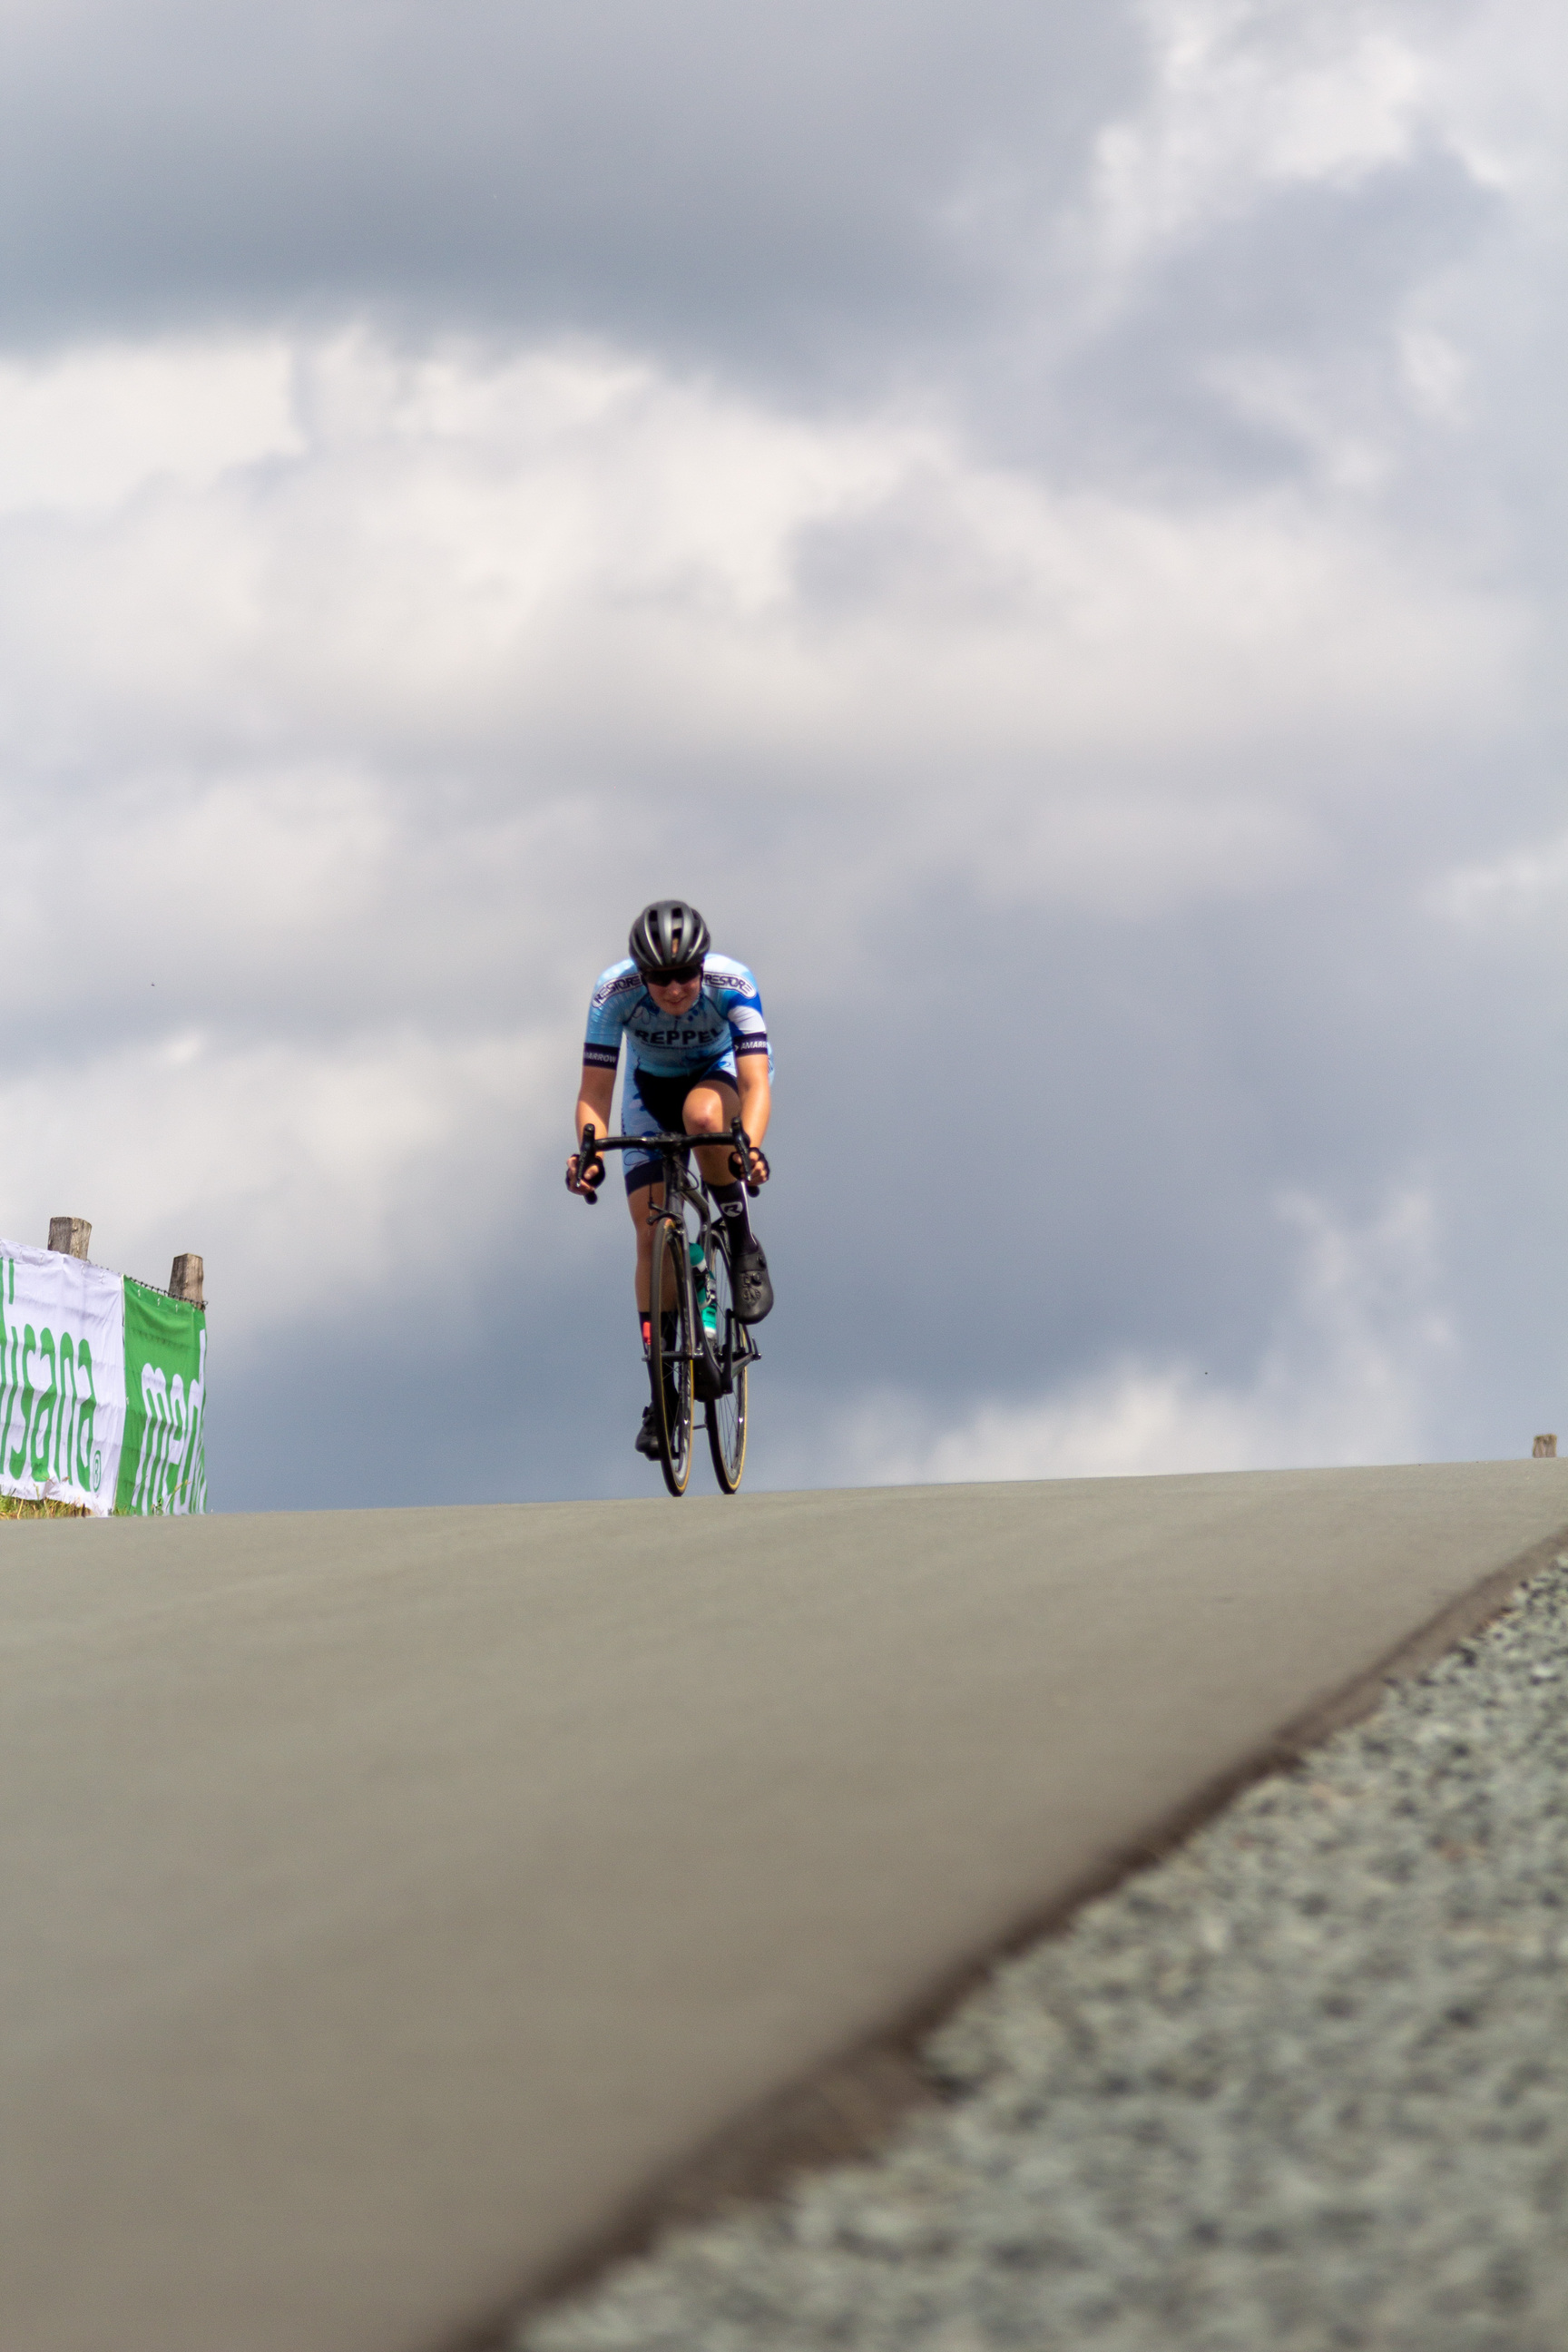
726 1020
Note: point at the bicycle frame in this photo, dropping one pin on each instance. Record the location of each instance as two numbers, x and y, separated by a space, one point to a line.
674 1153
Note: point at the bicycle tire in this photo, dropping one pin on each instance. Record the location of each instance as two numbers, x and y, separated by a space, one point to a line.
727 1409
669 1369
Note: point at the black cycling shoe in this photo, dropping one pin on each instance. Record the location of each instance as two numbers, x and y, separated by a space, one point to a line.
648 1435
753 1289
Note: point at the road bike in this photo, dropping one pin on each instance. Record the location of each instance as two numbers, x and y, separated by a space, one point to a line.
699 1351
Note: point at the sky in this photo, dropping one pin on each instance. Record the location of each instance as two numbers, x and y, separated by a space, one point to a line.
1047 525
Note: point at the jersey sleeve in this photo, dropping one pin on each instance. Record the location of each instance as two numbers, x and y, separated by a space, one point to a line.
614 994
742 1002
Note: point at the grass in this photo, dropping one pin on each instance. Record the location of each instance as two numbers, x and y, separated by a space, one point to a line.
14 1506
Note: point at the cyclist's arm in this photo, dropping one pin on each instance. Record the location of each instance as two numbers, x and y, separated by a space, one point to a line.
755 1089
594 1096
594 1100
742 1002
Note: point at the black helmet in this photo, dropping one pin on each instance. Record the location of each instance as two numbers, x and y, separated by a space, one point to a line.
669 940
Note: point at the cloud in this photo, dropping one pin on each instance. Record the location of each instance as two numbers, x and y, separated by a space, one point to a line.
295 1169
1518 888
1245 98
1046 526
1347 1376
85 429
786 182
573 559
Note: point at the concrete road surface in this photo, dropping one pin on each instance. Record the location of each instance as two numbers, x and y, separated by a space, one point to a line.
389 1898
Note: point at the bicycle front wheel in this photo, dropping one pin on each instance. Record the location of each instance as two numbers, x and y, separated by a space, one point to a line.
727 1411
669 1360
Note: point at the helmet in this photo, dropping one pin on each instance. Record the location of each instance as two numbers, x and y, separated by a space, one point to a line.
668 940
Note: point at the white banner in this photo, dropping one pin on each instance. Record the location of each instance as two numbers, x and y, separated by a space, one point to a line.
62 1377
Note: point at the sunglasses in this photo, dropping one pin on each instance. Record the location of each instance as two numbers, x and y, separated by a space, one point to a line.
675 979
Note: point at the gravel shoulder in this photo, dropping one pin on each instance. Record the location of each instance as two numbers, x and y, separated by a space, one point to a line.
1302 2084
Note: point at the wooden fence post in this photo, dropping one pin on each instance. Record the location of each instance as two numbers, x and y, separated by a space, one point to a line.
69 1236
185 1278
1546 1448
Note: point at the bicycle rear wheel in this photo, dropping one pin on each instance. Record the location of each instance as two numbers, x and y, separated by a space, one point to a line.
727 1411
669 1363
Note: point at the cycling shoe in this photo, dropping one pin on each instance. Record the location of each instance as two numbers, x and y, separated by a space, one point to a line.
754 1287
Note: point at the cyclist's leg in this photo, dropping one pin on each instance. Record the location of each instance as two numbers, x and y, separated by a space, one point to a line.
645 1191
644 1176
650 1106
710 1107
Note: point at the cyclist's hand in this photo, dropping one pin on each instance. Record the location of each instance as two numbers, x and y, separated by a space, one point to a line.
759 1172
584 1180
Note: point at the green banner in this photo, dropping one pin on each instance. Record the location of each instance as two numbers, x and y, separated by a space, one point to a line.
162 1462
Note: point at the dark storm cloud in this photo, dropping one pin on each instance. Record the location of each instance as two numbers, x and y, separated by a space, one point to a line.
693 174
1082 1155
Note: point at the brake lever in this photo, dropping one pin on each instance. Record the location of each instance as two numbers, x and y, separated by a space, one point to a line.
741 1159
588 1159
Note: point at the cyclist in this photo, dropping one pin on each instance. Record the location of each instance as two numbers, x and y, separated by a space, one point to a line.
698 1057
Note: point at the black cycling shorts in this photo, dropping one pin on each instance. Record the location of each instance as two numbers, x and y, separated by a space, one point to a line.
664 1100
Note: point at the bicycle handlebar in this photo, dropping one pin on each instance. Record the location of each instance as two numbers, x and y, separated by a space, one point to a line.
593 1146
653 1142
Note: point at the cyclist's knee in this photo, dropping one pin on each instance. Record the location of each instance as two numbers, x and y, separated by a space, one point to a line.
706 1110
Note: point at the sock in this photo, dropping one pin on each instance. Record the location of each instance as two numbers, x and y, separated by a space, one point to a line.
645 1325
730 1199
